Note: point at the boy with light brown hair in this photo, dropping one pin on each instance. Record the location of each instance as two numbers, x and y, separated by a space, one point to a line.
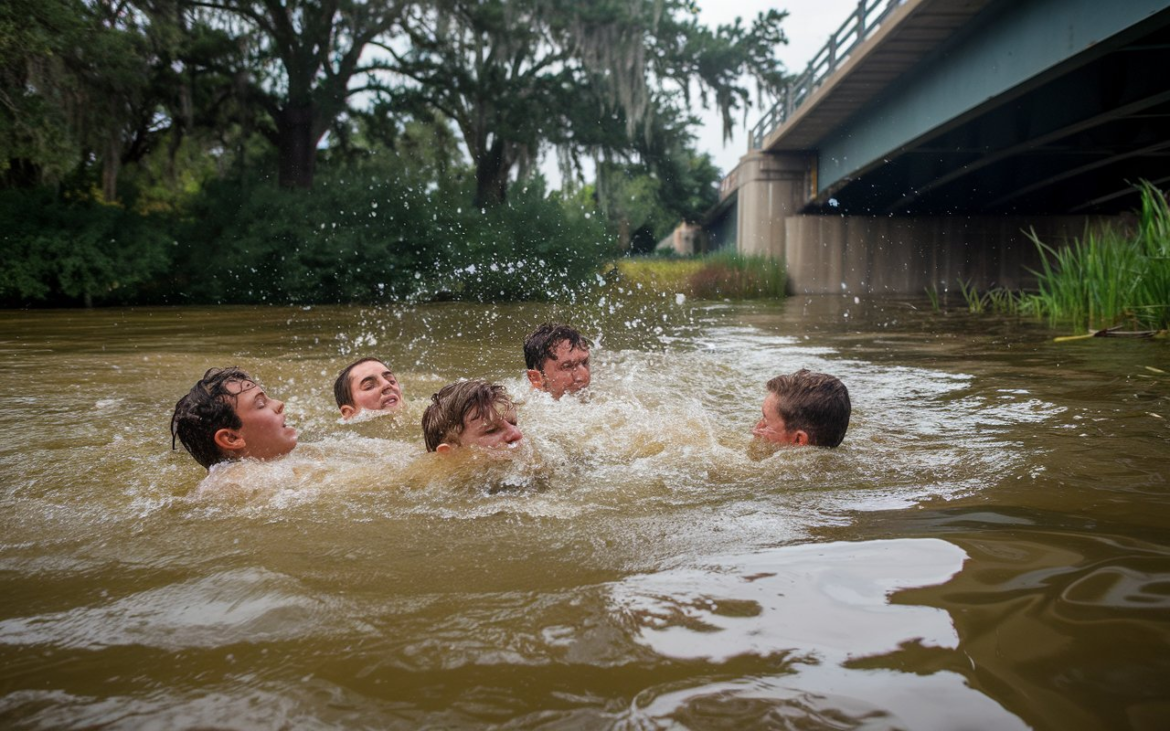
470 413
805 408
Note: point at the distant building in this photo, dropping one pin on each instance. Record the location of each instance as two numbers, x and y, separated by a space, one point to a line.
686 239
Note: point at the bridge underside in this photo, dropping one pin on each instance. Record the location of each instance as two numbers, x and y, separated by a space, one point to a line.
1072 141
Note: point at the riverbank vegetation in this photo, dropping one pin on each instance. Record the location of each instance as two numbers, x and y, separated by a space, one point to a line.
721 275
183 151
1113 277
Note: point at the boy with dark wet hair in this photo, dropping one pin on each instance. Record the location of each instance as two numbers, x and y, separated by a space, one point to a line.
557 359
227 416
367 384
805 408
470 413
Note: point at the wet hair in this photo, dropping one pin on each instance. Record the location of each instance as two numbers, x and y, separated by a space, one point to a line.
816 403
541 345
342 391
208 407
444 419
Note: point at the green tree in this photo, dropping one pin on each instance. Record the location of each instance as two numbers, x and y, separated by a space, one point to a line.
666 181
302 57
74 85
517 74
90 86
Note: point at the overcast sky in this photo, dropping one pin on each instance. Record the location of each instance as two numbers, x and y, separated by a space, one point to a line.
807 26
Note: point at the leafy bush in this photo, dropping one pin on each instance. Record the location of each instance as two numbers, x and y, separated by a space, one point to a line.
77 252
345 240
365 234
530 248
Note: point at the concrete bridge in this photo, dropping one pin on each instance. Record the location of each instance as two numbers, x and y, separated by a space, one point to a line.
927 135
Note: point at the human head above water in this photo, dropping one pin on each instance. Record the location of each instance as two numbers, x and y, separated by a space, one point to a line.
366 384
470 413
557 359
805 408
226 415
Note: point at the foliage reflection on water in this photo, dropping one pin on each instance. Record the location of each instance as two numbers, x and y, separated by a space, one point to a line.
640 563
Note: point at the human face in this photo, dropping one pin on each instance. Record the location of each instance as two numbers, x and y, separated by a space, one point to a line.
771 426
567 373
374 388
263 433
492 430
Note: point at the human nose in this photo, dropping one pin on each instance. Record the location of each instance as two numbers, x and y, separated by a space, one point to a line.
279 407
513 434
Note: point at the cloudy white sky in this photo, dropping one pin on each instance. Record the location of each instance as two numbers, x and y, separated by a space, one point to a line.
807 26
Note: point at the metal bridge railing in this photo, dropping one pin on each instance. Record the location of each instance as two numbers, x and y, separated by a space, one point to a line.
860 25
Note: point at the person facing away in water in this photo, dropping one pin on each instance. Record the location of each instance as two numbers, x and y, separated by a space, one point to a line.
367 384
227 416
804 408
470 413
557 359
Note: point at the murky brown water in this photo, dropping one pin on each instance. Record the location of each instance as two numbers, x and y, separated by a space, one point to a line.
990 549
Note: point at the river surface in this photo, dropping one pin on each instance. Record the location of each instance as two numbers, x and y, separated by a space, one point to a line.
989 548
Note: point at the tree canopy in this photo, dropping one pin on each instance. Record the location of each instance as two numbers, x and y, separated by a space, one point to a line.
160 150
584 77
88 87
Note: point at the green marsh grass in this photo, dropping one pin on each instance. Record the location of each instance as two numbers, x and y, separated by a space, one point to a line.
1111 276
976 303
723 275
932 294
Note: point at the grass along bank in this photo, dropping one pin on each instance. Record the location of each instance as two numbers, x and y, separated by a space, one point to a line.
722 275
1114 277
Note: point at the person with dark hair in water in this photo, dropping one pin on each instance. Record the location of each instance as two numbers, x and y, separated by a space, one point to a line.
228 416
367 384
557 359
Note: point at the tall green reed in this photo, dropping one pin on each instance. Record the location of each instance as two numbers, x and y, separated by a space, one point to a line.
1109 276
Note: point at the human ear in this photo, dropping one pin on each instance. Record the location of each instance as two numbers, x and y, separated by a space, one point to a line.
443 448
536 378
229 440
800 437
347 411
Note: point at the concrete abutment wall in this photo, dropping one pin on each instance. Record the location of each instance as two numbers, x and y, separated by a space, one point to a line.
883 255
880 254
771 187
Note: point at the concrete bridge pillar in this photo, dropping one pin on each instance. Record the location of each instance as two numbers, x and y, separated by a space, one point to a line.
772 186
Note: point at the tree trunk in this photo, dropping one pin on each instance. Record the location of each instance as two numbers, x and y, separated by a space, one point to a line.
491 177
110 164
297 146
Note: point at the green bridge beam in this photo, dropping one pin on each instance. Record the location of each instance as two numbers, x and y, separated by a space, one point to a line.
1012 47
